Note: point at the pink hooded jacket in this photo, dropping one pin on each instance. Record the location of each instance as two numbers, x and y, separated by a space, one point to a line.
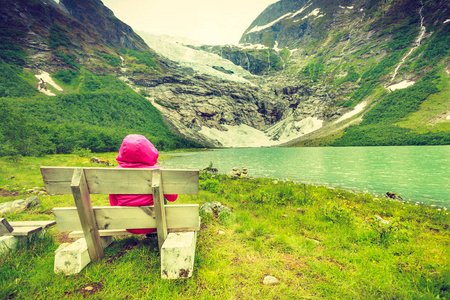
137 152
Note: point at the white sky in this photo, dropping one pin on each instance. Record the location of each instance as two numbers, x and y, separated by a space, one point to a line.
212 22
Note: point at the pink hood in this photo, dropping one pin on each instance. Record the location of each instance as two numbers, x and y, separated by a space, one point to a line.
137 152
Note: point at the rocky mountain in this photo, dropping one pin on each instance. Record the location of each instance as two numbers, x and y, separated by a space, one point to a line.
351 55
65 30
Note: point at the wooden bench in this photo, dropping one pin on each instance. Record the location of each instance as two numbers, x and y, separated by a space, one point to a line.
16 233
176 224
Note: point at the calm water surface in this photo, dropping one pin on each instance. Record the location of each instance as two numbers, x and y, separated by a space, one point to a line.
416 173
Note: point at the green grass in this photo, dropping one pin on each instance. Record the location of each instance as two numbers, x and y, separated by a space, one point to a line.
320 243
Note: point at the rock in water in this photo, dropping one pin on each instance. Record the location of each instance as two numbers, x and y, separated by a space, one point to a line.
393 196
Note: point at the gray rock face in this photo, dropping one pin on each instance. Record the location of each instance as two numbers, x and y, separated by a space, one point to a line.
192 104
19 205
94 13
257 62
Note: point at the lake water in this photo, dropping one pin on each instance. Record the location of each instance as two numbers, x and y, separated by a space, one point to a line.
416 173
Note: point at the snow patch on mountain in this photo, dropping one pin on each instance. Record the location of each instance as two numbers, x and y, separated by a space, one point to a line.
237 136
44 80
289 128
248 46
245 136
314 13
401 85
358 108
300 11
290 15
259 28
177 49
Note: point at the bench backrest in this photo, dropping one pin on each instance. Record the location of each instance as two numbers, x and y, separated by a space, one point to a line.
121 180
81 182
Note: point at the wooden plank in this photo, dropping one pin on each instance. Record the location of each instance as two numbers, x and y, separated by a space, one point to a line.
160 210
57 180
119 217
118 232
43 224
183 182
121 180
86 214
5 226
103 233
25 231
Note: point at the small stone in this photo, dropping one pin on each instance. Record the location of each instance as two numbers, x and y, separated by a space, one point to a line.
381 220
284 216
89 288
313 240
275 182
12 177
221 232
268 280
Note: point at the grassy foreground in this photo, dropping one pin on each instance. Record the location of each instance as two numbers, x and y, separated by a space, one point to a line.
320 243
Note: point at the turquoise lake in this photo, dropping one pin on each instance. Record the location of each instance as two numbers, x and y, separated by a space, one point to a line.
416 173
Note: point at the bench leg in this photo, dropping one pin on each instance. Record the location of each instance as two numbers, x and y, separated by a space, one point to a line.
7 242
72 258
15 241
178 254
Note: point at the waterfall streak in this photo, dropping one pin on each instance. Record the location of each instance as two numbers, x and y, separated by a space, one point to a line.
416 43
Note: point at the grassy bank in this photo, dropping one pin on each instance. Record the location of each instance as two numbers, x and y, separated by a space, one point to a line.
320 243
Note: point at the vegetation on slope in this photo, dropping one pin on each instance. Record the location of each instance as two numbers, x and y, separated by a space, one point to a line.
378 127
98 113
95 110
320 243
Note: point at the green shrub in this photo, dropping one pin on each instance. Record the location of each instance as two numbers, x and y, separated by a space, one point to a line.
66 76
82 152
335 213
58 37
210 185
68 58
111 60
13 82
145 58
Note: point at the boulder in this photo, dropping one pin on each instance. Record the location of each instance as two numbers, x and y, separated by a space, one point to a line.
215 208
96 160
234 173
393 196
19 205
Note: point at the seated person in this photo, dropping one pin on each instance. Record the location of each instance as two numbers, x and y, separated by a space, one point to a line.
137 152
